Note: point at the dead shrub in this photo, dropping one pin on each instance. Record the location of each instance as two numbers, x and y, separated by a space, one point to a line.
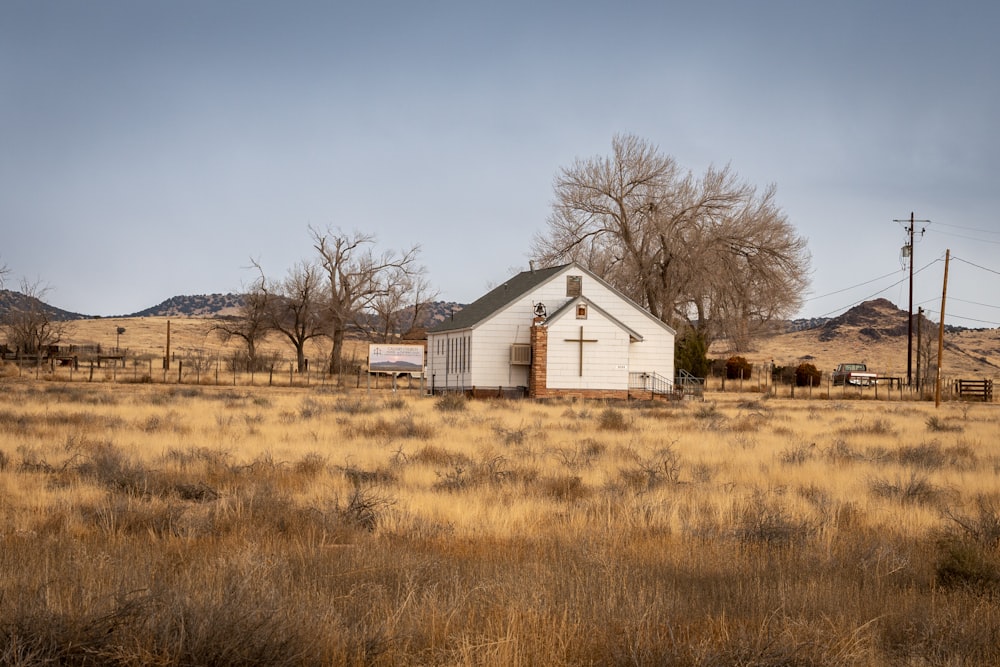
512 436
708 412
365 508
925 456
490 470
452 401
434 455
664 467
578 457
612 419
359 477
184 459
748 423
199 492
381 428
842 452
917 489
566 488
939 425
982 525
109 466
764 519
133 516
310 465
354 407
455 478
967 551
798 455
310 408
875 426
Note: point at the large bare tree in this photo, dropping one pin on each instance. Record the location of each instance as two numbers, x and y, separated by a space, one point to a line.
399 308
30 324
253 322
711 253
356 277
297 307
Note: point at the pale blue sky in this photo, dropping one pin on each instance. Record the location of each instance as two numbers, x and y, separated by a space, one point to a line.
150 148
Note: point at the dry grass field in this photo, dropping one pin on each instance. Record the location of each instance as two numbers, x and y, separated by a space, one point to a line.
182 524
145 339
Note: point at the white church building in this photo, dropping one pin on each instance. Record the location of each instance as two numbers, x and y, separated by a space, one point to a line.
558 331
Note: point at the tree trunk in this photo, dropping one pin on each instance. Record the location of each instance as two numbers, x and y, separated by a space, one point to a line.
300 356
337 351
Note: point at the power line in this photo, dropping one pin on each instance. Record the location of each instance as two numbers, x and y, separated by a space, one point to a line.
976 303
898 282
977 265
969 229
821 296
961 317
969 238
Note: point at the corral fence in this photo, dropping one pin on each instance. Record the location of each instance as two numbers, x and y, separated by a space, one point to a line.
782 382
193 366
974 390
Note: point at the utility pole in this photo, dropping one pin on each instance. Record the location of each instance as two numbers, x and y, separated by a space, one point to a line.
909 325
944 293
920 316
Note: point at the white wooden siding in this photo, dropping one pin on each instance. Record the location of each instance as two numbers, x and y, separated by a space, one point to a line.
487 345
605 363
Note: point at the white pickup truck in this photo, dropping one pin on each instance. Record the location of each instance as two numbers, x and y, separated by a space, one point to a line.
856 375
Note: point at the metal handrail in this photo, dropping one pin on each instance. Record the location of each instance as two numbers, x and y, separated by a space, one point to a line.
651 381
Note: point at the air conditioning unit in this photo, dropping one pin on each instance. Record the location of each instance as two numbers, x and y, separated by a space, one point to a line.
520 354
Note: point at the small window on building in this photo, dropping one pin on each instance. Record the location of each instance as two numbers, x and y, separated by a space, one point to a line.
574 286
581 311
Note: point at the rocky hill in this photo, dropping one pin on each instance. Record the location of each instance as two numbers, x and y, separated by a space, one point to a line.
10 300
196 305
876 332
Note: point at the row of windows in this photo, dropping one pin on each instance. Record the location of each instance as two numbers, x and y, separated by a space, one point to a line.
457 353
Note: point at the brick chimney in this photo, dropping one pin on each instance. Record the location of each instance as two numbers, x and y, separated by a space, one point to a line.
539 361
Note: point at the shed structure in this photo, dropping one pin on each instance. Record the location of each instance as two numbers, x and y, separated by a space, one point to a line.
558 331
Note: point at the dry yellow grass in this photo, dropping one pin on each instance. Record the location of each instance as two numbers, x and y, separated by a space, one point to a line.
146 338
185 524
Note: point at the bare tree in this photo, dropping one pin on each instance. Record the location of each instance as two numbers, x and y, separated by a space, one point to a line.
709 252
252 324
356 278
398 309
29 323
4 270
297 307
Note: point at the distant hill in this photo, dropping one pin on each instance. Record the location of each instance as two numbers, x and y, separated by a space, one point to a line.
874 332
10 300
195 305
226 305
439 311
804 323
204 305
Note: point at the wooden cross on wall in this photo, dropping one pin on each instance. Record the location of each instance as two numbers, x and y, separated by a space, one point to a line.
581 340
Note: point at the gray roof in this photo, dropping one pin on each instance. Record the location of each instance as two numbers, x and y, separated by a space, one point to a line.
491 302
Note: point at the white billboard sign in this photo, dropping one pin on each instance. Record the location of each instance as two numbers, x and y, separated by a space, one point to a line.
396 358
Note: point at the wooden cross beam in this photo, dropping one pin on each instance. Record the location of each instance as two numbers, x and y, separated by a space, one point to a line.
581 340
